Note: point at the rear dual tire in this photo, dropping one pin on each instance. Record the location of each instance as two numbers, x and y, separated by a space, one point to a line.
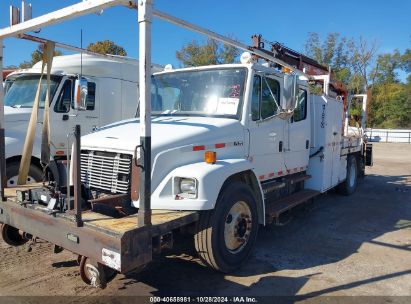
349 186
226 235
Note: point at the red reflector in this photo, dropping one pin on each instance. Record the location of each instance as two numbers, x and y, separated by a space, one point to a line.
218 146
198 148
60 152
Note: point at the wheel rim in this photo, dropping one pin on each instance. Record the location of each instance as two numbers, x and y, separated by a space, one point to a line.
88 272
353 174
237 227
12 181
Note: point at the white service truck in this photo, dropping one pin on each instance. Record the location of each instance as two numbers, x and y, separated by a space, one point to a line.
228 141
112 95
223 149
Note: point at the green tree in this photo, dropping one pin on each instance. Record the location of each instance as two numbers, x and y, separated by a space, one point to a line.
37 55
25 65
362 53
107 47
212 52
349 59
332 52
386 69
406 61
391 106
391 99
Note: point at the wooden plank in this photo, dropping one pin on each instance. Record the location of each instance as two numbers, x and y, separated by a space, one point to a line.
278 207
162 221
11 192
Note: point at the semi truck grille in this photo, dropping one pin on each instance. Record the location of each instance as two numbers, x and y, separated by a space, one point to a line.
106 171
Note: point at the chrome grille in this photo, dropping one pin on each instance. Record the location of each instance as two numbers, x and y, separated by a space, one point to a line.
106 171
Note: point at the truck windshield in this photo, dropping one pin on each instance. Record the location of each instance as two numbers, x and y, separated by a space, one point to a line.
214 92
22 90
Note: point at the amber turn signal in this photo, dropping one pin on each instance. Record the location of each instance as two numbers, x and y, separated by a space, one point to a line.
210 157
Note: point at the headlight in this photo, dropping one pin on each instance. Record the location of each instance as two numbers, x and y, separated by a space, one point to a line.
185 187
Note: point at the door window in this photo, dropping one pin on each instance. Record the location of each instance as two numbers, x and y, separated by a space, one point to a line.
300 111
91 96
269 97
65 98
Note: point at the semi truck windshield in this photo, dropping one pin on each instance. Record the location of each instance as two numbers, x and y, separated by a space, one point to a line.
22 90
214 92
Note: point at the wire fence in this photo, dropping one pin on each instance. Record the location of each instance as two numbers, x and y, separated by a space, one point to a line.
389 135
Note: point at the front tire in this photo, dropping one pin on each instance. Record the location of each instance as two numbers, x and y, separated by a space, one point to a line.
349 186
226 235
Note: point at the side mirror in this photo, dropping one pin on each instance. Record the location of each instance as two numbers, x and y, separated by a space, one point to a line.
80 94
291 92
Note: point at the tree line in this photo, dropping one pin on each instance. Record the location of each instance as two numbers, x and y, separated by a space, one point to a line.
356 62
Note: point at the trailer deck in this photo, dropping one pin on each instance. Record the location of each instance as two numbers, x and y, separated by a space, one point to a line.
119 243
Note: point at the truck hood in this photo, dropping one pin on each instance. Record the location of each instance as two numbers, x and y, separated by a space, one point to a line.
167 132
12 115
17 119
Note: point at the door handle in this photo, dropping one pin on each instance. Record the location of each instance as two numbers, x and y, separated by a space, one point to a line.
307 144
280 146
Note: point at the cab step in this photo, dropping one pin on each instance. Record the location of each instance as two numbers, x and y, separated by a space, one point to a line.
276 208
275 185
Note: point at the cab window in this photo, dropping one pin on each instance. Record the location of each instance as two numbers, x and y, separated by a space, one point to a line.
270 96
255 99
300 111
65 98
91 96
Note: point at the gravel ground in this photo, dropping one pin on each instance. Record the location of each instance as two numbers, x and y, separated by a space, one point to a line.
338 246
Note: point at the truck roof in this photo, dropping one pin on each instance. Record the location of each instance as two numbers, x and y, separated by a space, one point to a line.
254 65
91 66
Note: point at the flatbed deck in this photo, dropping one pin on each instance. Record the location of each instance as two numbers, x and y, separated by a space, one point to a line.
129 245
162 220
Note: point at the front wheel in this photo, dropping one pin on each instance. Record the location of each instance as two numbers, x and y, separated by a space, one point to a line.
226 235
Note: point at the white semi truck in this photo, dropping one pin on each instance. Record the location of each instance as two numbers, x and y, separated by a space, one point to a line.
223 150
112 95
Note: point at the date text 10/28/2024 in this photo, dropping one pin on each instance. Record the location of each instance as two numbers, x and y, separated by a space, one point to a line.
199 299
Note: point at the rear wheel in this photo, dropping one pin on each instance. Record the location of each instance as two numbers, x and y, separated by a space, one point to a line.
226 235
12 172
94 273
349 186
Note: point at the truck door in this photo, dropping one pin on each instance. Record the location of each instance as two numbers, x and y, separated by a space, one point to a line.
63 117
266 130
297 133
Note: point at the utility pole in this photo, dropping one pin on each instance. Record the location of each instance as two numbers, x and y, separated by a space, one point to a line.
3 178
145 16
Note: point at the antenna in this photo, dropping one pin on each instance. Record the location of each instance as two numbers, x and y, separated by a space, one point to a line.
81 53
